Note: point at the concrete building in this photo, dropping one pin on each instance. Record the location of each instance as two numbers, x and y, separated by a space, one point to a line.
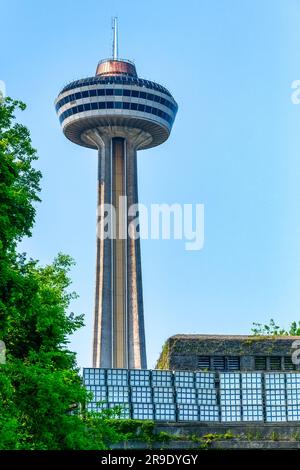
228 353
117 113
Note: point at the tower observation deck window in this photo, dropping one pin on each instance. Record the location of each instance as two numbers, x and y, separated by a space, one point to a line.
115 105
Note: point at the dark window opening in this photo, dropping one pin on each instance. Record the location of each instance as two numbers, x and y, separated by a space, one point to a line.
204 362
233 363
275 363
260 363
288 363
218 363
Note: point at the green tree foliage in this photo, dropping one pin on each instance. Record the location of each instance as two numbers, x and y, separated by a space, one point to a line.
40 387
272 329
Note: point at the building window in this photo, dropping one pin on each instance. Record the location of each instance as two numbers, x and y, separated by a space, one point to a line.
275 363
204 362
218 363
288 363
260 363
233 363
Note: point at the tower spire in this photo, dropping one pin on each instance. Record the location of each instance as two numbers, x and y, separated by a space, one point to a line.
115 51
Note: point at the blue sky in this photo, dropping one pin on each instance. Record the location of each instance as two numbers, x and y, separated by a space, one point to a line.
235 147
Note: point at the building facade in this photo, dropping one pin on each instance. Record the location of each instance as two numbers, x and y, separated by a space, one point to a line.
228 353
185 396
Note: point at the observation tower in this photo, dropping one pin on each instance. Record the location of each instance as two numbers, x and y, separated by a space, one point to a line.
117 113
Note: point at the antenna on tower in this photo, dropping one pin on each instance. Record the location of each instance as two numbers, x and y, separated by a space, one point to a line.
115 52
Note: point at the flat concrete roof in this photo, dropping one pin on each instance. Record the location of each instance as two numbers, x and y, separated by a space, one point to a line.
233 337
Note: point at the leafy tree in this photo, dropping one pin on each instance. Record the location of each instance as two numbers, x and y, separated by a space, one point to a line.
40 387
272 329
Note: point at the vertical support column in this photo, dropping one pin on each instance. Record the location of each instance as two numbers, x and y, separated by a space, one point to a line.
120 341
102 341
119 332
136 328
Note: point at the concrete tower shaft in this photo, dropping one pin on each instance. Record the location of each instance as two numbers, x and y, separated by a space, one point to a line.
119 334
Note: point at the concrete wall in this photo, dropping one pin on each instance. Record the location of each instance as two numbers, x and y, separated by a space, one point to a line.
181 352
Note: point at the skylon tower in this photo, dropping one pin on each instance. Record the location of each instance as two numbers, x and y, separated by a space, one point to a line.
117 113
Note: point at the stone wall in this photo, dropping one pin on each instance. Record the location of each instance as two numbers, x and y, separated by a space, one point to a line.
181 352
207 436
